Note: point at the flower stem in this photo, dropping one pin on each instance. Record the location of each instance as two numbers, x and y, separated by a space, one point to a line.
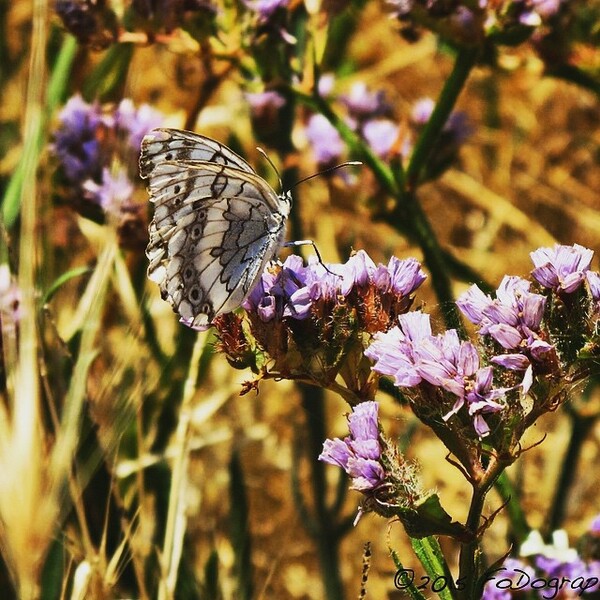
465 61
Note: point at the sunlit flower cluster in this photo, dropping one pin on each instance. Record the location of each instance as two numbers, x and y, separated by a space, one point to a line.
313 318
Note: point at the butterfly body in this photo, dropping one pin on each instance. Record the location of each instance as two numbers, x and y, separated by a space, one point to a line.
216 223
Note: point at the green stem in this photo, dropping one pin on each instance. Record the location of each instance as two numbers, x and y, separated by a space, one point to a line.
518 520
470 554
465 61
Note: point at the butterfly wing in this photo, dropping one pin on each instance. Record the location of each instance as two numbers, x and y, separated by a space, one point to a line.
175 145
215 227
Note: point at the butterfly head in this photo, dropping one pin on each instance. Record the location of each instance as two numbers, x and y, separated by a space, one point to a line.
286 199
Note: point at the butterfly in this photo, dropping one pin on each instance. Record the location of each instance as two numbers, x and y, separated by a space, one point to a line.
216 224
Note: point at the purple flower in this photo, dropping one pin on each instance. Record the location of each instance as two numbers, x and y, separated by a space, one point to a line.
456 127
534 12
359 454
137 122
264 103
561 268
513 319
497 586
411 354
276 296
595 525
593 281
400 276
401 7
326 84
421 111
363 103
76 141
11 310
381 135
265 8
325 141
394 351
114 192
373 292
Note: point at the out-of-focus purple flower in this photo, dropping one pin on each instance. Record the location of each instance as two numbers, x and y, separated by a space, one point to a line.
593 280
325 141
497 586
401 8
534 12
381 135
421 111
262 103
76 140
411 354
326 84
561 268
457 126
114 192
90 21
359 453
10 299
265 8
363 103
137 122
595 525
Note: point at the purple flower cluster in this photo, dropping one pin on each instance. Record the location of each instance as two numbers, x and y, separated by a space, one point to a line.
561 268
325 142
532 13
95 145
411 354
77 140
368 113
295 290
513 319
359 454
556 571
265 8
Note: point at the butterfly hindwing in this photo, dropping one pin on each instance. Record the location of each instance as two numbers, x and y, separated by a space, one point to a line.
215 226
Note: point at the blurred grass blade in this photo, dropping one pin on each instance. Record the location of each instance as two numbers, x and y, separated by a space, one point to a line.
35 141
176 515
63 279
110 74
240 528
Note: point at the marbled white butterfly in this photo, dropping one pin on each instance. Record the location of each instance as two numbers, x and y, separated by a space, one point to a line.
216 223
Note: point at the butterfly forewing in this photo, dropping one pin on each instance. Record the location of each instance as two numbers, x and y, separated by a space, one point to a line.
215 226
166 145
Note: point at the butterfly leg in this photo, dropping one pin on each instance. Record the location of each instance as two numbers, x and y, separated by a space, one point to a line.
309 243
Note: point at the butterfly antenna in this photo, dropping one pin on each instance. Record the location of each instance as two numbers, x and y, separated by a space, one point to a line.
266 156
350 163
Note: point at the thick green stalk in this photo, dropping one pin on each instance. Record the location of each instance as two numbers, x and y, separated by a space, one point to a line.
465 61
